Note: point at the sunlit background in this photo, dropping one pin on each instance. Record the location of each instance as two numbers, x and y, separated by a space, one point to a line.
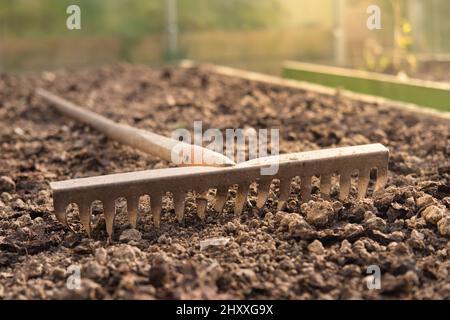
251 34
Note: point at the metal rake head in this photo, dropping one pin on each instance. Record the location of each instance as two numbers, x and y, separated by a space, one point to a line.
178 181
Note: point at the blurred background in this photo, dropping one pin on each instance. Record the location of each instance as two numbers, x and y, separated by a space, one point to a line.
251 34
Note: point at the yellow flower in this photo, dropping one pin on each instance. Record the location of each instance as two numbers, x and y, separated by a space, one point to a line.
406 27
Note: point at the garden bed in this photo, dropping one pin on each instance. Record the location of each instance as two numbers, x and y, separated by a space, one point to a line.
420 92
294 254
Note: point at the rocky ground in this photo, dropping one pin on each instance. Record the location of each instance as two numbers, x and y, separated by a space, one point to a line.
320 249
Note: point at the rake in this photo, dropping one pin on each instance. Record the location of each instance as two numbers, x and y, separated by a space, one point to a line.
213 171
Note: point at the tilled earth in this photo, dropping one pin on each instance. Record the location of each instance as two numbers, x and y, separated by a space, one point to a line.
321 249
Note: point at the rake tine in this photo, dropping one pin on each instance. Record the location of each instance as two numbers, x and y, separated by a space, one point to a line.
241 197
132 208
325 186
285 188
156 206
263 192
221 198
305 188
179 200
363 182
382 176
344 185
202 204
84 209
109 211
60 212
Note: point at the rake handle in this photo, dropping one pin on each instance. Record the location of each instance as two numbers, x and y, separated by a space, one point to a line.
147 141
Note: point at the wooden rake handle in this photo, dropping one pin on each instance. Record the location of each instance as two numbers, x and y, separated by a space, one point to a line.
165 148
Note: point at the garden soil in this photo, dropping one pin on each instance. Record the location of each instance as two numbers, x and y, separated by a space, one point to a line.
323 249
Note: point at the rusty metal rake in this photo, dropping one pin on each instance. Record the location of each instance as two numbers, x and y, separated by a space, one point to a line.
202 177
